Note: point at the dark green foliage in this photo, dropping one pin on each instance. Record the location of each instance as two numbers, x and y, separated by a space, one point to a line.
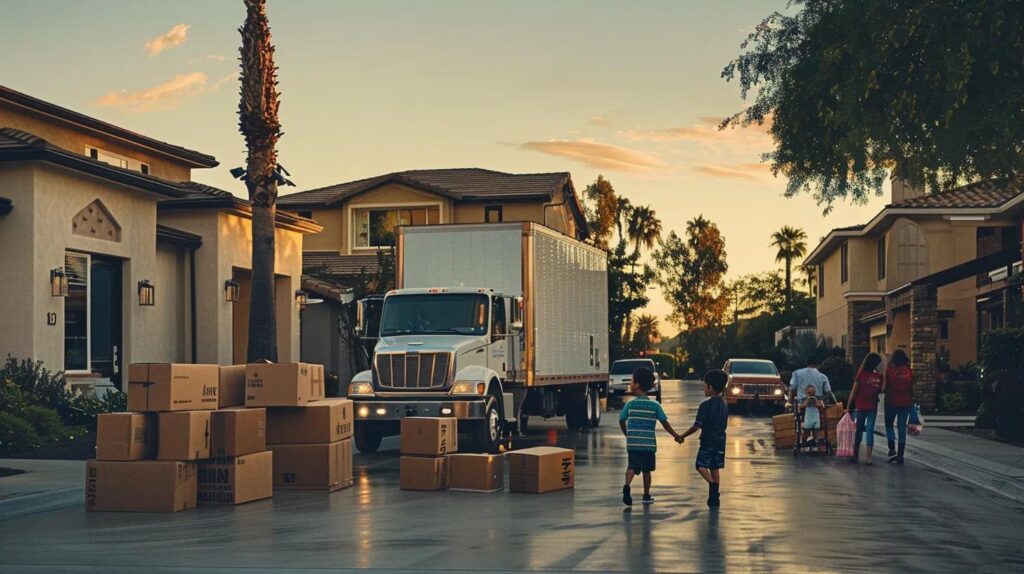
38 384
1002 359
16 434
839 372
664 362
953 402
628 281
851 88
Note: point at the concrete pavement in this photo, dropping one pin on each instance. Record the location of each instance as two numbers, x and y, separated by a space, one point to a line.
779 513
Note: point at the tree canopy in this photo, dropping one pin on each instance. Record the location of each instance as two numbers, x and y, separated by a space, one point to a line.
691 274
853 88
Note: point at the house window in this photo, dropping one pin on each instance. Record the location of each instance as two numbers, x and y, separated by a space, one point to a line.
376 227
144 168
76 313
844 263
493 214
107 157
944 329
306 214
881 257
821 281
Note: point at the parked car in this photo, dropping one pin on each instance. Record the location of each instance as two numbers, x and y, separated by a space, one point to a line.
622 373
753 381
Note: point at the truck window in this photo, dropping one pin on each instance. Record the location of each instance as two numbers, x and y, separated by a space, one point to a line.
431 314
752 368
498 326
628 366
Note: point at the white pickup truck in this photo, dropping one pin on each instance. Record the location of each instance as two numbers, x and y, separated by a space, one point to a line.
492 324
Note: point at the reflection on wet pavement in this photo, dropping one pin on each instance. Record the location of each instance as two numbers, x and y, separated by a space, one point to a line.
779 513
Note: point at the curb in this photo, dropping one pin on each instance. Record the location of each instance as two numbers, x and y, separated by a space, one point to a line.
41 502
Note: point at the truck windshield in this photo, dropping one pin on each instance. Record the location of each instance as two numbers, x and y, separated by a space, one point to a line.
455 313
752 368
627 367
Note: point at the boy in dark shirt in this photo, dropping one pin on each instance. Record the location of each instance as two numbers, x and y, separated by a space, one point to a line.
712 420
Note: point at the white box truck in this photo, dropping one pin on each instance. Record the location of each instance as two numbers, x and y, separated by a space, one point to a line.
489 323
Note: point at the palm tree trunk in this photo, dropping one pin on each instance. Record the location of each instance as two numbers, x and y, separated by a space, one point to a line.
262 303
789 283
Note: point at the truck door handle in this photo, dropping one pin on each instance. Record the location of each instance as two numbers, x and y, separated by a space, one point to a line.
480 350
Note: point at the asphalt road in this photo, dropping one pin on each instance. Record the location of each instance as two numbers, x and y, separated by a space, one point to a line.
779 514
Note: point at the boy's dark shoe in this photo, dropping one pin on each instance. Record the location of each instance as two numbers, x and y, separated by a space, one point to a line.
648 499
627 498
714 496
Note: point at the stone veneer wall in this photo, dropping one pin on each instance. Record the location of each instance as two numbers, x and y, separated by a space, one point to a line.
924 332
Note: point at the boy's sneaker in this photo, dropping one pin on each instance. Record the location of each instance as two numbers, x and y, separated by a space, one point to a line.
627 498
648 499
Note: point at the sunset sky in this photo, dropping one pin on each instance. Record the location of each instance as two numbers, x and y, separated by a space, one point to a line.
631 90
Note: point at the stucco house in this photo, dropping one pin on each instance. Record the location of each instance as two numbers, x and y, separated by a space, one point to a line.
929 274
110 254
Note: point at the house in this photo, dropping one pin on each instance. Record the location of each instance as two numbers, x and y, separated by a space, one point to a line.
929 274
359 217
359 220
112 255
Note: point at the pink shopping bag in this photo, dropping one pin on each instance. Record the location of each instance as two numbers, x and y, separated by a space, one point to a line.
846 431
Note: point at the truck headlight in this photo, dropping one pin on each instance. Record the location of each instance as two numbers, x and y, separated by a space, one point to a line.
361 389
468 388
777 392
735 390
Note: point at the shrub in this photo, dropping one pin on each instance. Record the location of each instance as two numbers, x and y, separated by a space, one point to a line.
16 434
38 384
953 402
24 383
839 372
986 419
1003 380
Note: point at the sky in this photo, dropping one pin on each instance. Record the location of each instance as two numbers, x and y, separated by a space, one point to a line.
630 90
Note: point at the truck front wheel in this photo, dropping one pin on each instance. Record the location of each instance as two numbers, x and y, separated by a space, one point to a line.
487 433
368 438
595 407
578 410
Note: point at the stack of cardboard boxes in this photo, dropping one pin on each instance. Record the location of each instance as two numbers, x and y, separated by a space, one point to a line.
310 436
181 445
430 462
785 431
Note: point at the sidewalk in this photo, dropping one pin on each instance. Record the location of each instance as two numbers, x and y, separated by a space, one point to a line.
45 485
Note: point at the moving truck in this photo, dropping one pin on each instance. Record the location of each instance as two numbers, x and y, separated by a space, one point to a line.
491 324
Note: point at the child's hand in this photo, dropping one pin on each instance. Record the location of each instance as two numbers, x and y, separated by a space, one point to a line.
679 439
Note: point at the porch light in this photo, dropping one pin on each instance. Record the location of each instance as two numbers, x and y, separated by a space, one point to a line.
301 298
231 289
147 293
58 282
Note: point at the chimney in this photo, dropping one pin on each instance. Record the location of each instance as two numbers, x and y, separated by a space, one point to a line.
903 189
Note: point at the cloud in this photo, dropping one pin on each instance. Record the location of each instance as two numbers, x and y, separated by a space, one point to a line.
744 171
176 36
221 82
160 97
599 155
208 58
600 121
754 136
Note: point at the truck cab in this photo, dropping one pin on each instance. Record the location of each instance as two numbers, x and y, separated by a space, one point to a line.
441 352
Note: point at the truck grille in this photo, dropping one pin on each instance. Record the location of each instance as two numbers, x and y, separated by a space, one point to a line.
762 390
412 370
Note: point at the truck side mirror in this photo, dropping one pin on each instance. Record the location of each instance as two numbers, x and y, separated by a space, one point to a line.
517 314
360 326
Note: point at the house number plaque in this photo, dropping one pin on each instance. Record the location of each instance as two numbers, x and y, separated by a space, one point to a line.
51 318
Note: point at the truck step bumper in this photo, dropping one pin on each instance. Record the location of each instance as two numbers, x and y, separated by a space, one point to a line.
397 410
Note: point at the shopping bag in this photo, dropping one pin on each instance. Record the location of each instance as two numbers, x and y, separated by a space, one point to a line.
846 432
915 423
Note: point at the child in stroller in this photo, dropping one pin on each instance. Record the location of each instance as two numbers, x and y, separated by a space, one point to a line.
811 408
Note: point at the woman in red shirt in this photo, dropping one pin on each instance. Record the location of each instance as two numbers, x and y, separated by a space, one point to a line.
864 399
898 387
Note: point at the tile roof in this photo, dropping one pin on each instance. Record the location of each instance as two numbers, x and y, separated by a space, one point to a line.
982 194
333 263
326 289
464 184
24 100
199 190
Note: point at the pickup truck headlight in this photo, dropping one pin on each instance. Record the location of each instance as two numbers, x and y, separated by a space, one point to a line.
777 392
361 389
735 390
468 388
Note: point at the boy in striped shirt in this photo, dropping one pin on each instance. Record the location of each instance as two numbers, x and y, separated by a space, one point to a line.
638 420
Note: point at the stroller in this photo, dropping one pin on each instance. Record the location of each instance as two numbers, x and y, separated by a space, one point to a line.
821 443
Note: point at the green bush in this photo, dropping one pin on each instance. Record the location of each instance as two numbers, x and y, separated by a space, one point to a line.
38 384
1003 380
82 409
986 419
839 372
953 402
16 434
26 383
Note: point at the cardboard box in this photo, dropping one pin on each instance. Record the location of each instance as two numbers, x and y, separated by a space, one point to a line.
161 387
238 431
834 412
140 485
423 472
783 421
283 384
541 469
429 436
184 435
329 420
324 467
231 391
786 441
126 436
476 472
236 479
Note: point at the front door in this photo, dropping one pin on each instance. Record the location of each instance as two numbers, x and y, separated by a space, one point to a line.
105 317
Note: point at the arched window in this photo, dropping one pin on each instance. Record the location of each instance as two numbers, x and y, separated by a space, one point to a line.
908 252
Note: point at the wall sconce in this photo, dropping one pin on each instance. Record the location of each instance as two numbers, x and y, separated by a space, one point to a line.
147 293
58 282
231 290
301 298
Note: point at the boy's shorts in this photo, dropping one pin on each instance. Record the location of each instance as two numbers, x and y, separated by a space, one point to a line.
641 460
711 457
812 419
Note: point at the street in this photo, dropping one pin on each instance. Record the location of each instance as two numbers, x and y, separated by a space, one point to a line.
779 514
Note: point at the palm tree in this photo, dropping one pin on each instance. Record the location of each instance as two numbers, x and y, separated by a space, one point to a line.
625 210
258 122
644 227
647 332
791 245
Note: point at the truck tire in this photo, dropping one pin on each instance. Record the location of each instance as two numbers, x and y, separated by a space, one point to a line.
595 410
577 411
487 434
368 438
